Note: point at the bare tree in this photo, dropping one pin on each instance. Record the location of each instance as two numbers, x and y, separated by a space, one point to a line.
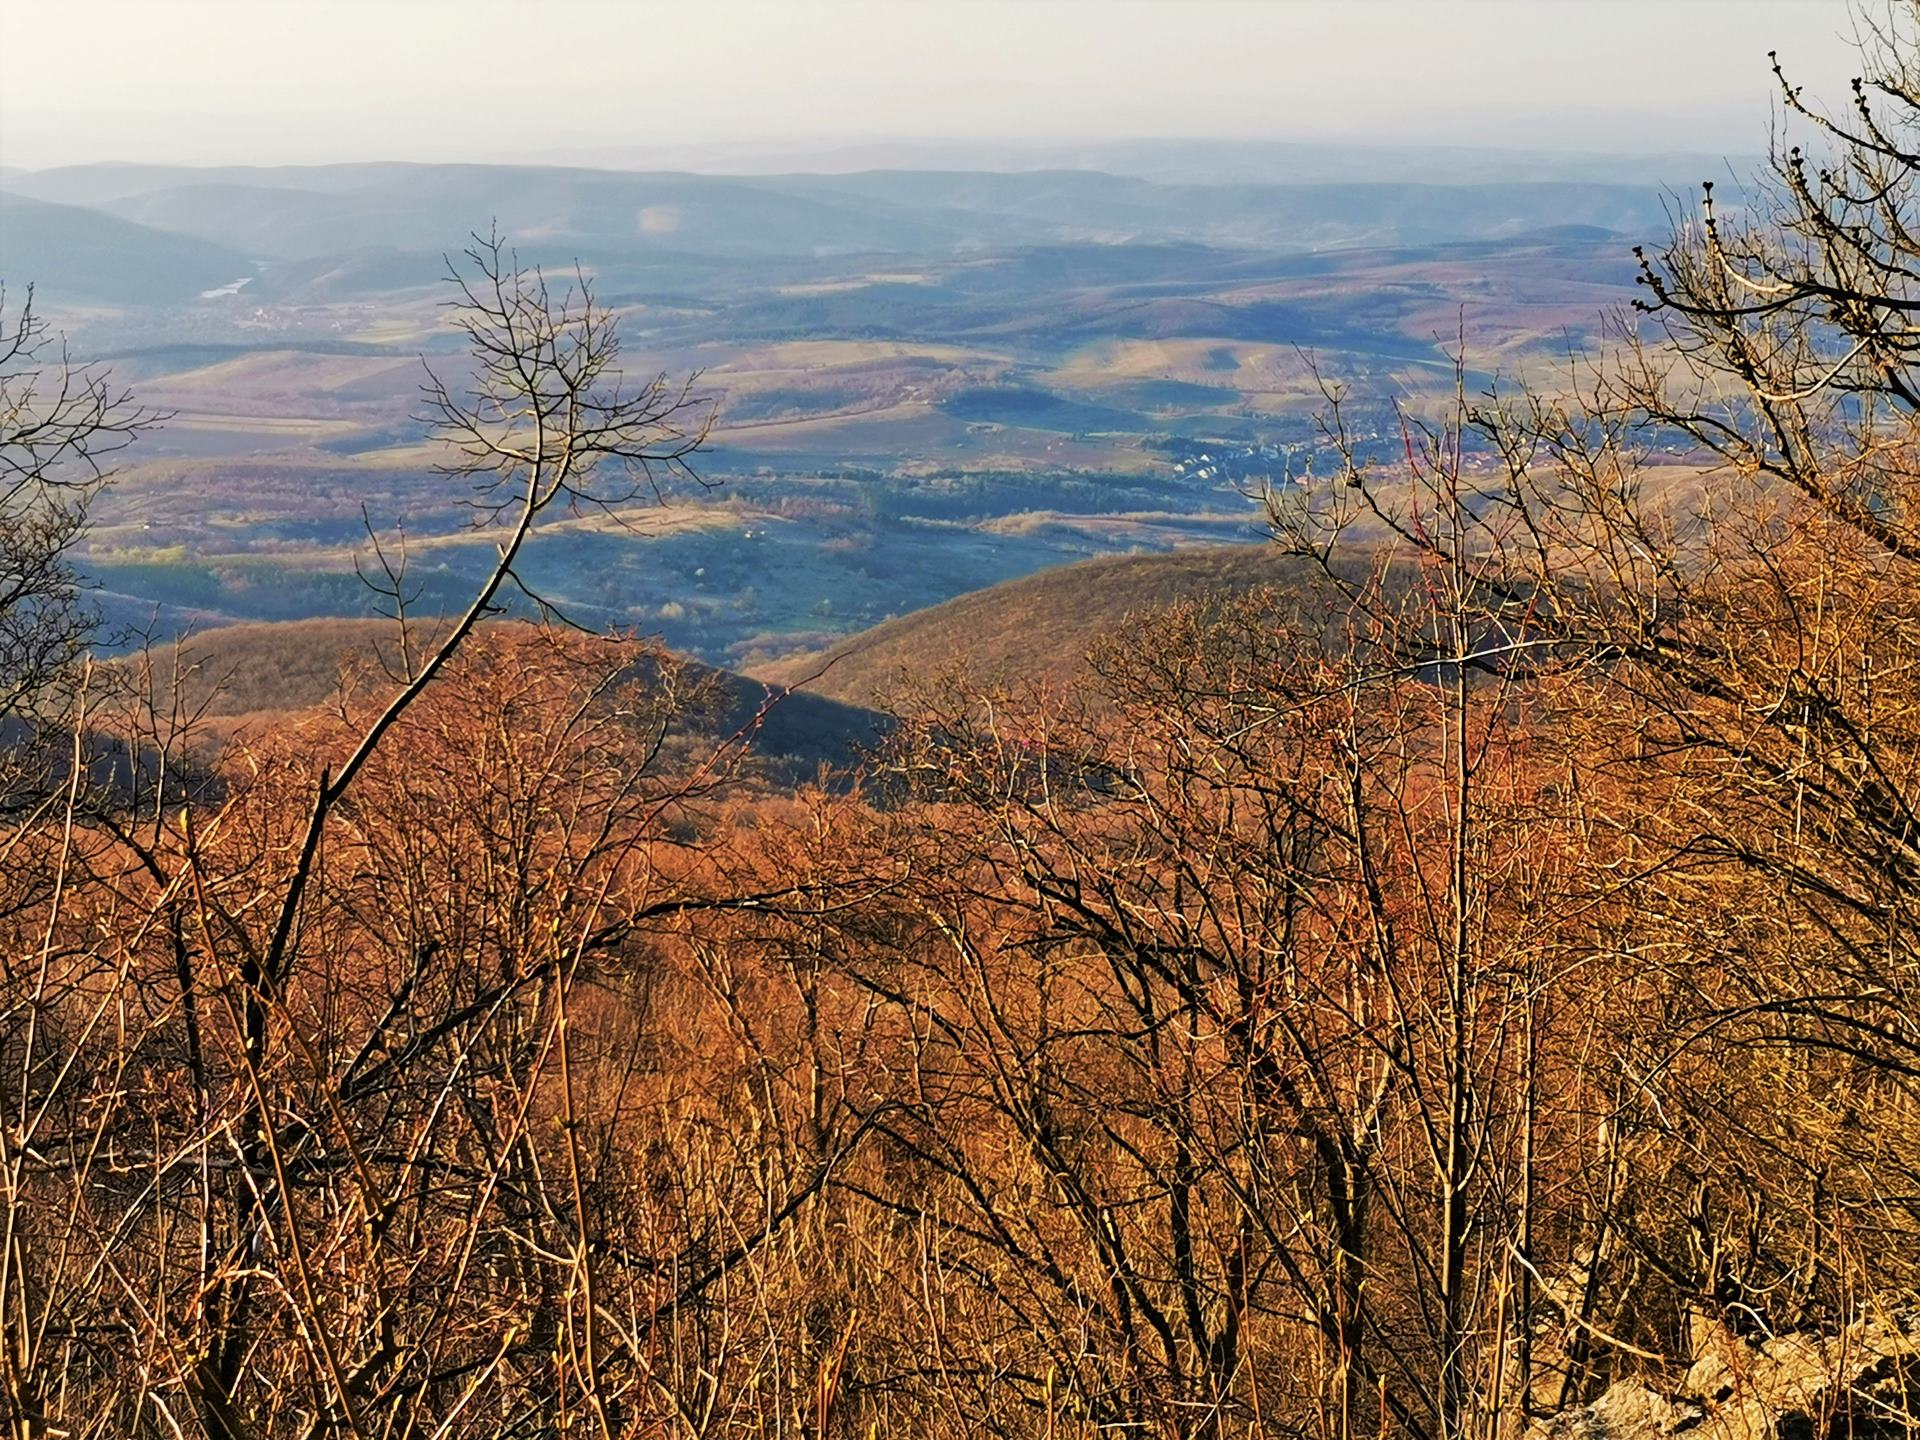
1723 642
547 411
60 426
249 952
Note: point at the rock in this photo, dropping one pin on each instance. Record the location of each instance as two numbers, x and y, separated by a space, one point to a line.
1628 1411
1862 1384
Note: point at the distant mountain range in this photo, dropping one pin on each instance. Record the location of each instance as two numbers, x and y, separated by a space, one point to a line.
1186 161
164 234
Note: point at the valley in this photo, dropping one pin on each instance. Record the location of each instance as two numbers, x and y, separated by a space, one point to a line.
923 383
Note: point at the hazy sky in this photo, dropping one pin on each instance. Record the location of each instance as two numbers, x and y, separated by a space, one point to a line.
312 80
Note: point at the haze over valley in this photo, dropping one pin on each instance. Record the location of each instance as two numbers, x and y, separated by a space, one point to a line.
924 381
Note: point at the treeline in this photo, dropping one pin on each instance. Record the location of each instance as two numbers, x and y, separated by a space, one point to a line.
1481 983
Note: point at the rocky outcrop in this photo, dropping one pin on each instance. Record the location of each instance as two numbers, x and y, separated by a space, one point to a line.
1863 1382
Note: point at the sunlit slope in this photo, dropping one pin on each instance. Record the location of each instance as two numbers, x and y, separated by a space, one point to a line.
1036 628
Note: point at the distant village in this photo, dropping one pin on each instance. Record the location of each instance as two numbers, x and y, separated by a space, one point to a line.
1243 464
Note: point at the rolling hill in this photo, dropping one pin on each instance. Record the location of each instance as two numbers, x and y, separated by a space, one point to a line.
1036 628
927 381
242 677
75 253
817 709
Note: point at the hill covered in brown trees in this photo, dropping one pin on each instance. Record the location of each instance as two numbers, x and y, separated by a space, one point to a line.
239 680
1451 973
1036 629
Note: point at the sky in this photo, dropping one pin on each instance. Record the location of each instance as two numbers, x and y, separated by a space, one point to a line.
307 81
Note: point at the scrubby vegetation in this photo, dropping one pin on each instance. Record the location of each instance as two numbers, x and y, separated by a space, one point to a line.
1453 994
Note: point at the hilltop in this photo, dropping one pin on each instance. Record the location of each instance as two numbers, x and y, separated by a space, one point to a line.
1038 628
252 677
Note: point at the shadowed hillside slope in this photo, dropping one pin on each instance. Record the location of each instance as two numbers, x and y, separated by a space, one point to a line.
246 676
1038 628
84 255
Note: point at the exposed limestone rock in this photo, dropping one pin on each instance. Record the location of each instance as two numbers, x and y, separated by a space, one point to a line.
1627 1409
1864 1382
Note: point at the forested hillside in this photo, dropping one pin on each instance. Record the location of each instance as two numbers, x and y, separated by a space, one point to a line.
1453 972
